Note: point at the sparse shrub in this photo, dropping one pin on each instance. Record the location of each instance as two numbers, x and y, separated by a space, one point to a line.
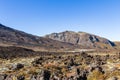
96 75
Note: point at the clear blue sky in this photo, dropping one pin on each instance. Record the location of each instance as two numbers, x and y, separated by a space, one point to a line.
40 17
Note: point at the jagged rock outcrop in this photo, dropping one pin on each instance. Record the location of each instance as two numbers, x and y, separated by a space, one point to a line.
82 38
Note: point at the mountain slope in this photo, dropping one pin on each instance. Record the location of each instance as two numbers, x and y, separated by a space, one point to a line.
9 36
82 38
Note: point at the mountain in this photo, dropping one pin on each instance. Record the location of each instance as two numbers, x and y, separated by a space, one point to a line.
67 40
12 37
82 39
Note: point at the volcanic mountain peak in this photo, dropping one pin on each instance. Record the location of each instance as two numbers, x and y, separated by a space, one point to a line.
82 38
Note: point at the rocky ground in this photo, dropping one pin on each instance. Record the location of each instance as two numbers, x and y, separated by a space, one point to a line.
77 66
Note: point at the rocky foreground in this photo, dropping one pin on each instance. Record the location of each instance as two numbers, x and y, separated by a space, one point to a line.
77 66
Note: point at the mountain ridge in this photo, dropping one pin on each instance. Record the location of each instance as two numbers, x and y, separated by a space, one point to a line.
81 38
55 41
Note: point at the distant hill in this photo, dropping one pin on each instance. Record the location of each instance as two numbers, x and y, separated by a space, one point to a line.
82 39
12 37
